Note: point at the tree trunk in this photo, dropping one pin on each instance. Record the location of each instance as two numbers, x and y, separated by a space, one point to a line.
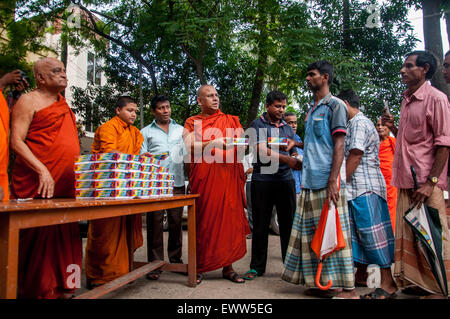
433 39
346 25
258 83
64 53
446 9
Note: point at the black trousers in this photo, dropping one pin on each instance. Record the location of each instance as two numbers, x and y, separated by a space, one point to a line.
155 232
264 196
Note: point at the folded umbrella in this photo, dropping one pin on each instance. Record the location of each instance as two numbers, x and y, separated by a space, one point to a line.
327 239
427 228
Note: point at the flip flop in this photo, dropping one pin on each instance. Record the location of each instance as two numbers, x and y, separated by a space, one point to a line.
316 292
153 275
250 275
233 277
377 293
199 278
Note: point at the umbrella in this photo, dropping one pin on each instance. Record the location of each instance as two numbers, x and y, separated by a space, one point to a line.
426 226
327 239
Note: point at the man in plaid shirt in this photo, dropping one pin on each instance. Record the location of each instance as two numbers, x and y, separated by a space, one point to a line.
372 234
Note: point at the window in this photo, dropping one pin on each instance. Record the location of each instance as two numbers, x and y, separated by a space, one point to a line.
94 70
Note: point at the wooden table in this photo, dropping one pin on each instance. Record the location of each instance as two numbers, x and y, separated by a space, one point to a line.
15 216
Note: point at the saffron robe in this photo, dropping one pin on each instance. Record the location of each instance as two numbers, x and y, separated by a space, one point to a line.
46 253
221 224
386 155
107 255
4 146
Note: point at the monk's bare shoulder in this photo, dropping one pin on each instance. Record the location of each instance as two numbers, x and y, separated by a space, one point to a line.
28 103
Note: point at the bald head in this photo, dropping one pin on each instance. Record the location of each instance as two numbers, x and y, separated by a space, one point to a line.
208 99
201 90
50 74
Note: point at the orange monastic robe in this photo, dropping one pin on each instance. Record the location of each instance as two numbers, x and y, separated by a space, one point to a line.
220 218
4 146
107 248
47 252
387 149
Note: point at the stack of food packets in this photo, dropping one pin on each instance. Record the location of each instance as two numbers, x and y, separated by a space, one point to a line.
121 176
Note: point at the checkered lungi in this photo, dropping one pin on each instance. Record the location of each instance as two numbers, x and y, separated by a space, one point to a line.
301 262
372 234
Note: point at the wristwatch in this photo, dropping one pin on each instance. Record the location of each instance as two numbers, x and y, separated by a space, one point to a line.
433 179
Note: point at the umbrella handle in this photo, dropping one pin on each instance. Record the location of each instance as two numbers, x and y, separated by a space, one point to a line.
319 272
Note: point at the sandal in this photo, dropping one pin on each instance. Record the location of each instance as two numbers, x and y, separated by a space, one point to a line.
250 275
199 278
316 292
377 293
233 277
415 291
153 275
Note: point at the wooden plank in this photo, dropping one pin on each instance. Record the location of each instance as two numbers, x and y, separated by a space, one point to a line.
122 281
61 203
192 248
50 216
9 257
175 268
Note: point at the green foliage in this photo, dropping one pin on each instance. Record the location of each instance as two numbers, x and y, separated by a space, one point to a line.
181 44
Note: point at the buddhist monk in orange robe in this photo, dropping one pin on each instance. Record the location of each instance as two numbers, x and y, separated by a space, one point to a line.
386 155
220 219
11 78
107 255
45 140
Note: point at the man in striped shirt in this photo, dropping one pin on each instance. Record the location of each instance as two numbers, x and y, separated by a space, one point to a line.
372 234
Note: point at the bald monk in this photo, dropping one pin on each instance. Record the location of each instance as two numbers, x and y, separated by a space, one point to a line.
107 247
11 78
45 140
220 219
386 155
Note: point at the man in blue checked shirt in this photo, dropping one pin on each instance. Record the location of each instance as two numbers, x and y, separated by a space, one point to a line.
164 135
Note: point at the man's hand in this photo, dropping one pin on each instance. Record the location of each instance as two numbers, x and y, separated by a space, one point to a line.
289 146
46 184
294 163
221 143
387 120
147 154
13 77
422 194
332 192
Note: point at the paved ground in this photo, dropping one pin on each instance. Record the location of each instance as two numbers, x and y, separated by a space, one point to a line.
174 286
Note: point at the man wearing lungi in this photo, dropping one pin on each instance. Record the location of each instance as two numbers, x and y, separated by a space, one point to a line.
372 234
325 130
423 139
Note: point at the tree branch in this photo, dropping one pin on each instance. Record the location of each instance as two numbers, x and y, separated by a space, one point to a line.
134 53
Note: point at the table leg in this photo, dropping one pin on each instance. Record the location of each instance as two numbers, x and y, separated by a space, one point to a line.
9 257
192 256
130 241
